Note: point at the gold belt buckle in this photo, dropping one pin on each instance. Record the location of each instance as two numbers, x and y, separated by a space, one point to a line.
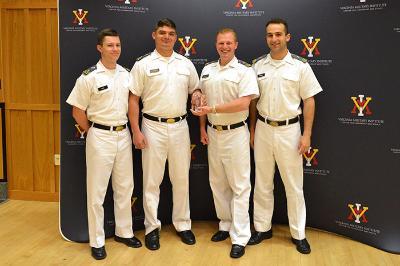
218 128
273 123
170 120
119 128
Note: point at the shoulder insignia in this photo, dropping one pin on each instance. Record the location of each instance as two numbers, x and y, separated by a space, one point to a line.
244 63
258 59
215 61
299 58
143 56
89 70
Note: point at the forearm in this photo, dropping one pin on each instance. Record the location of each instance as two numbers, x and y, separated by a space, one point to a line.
253 114
133 113
237 105
203 121
308 115
80 117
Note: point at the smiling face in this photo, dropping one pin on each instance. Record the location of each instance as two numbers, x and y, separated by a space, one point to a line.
277 39
226 46
110 49
165 38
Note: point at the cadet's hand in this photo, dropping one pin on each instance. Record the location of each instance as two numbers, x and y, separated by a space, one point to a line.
139 140
304 144
203 110
203 137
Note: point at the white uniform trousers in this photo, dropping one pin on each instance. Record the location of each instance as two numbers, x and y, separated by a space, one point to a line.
280 145
109 153
172 142
229 171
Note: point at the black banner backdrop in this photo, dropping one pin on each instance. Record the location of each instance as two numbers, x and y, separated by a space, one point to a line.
352 171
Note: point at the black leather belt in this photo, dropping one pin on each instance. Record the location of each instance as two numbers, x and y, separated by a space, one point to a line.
226 127
165 120
278 123
112 128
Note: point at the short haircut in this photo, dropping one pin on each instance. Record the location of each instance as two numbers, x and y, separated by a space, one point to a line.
165 22
105 32
227 30
278 21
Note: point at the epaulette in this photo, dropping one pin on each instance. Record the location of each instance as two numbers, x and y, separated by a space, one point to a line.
215 61
244 63
127 69
259 58
143 56
90 69
299 58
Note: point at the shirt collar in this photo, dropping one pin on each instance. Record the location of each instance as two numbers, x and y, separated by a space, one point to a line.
156 55
287 59
233 63
101 68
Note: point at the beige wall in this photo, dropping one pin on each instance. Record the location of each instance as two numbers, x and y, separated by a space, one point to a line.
30 81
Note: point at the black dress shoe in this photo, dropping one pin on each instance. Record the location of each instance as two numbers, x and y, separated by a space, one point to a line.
152 240
302 246
132 242
187 237
99 253
237 251
257 237
220 236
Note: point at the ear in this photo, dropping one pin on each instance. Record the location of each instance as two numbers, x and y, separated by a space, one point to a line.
99 48
288 37
153 35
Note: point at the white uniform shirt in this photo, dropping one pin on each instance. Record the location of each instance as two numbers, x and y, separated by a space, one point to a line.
283 84
103 94
164 84
223 84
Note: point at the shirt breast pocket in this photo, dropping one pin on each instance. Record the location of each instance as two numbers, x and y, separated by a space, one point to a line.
183 74
291 81
232 80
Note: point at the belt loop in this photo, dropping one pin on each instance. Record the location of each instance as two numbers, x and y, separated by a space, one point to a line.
159 119
229 127
287 121
266 119
111 128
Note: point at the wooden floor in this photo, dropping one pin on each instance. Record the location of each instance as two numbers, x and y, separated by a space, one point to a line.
29 236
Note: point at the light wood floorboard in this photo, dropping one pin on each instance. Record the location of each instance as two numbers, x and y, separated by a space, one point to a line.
29 236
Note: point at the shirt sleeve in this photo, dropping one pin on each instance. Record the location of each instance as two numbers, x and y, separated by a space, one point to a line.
248 84
80 94
193 79
309 85
137 79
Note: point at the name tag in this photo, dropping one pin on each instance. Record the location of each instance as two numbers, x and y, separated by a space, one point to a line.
103 88
205 76
154 70
261 75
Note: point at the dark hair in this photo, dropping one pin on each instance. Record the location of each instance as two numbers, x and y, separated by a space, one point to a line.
105 32
226 30
165 22
278 21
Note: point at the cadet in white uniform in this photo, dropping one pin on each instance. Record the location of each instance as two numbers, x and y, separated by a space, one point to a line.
284 80
100 107
228 85
163 79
